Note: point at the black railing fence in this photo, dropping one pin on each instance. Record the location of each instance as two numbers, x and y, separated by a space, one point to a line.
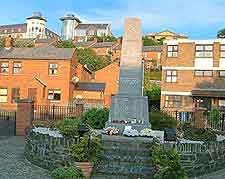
53 112
213 121
6 115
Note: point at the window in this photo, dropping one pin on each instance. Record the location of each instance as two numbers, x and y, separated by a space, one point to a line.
171 76
3 95
204 51
173 101
53 68
54 94
172 50
222 73
4 67
203 73
17 67
15 94
222 51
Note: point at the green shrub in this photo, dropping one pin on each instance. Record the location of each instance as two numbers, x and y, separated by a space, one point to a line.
67 173
199 134
167 164
215 115
69 127
161 120
96 118
83 152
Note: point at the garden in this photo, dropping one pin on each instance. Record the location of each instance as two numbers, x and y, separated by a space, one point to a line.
74 147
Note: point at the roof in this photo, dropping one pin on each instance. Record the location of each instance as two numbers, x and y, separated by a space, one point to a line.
209 92
83 44
86 26
152 49
90 86
144 49
47 31
70 17
14 28
102 44
48 52
37 15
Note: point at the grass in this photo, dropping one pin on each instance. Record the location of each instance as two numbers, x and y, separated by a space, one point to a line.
153 75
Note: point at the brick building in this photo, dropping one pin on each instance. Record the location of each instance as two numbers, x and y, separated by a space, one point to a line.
193 74
110 76
45 74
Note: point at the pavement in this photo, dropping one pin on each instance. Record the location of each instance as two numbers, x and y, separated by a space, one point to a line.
13 165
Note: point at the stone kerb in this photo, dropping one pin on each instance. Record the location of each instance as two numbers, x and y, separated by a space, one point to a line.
47 151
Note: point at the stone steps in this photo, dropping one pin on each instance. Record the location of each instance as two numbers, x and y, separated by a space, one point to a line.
124 158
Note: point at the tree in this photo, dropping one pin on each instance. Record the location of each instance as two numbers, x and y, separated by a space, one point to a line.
153 92
91 59
1 43
151 42
65 44
221 33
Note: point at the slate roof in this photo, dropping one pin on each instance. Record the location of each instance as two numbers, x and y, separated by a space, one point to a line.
83 44
20 28
102 45
70 17
14 28
86 26
152 48
48 52
90 86
144 49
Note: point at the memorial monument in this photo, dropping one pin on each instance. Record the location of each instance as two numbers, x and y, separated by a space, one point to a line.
130 108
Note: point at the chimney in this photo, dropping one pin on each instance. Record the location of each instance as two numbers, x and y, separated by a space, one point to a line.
8 42
119 40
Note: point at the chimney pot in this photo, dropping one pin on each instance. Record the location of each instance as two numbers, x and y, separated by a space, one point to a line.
8 42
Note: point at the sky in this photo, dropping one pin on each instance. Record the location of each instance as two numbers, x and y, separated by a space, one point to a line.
200 19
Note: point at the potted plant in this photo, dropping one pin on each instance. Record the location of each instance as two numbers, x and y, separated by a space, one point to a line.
86 152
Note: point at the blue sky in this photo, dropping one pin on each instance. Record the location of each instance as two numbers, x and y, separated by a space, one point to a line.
200 19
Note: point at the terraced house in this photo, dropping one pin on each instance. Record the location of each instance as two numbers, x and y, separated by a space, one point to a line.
48 75
193 74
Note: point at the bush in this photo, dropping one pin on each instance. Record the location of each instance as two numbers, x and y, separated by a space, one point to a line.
215 115
67 173
69 127
161 120
197 134
167 164
96 118
84 151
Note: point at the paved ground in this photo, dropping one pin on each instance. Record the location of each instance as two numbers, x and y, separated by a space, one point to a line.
217 175
12 162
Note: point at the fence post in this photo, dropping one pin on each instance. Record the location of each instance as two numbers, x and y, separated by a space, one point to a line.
53 112
222 121
24 116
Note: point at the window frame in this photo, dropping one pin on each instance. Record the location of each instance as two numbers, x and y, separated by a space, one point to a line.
173 52
53 94
1 71
18 67
50 69
203 51
203 73
173 101
171 76
222 51
4 95
220 73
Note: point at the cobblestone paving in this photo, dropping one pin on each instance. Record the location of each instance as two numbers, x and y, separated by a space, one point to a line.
12 162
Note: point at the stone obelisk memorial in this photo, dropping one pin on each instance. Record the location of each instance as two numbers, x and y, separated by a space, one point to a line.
130 108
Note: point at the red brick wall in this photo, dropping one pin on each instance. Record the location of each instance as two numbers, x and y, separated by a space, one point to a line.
110 76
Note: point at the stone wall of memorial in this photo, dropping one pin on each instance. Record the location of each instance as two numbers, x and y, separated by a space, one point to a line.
199 159
47 151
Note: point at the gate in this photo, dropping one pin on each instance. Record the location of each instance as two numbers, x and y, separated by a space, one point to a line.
7 123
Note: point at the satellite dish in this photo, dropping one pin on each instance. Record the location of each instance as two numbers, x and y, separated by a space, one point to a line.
75 79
